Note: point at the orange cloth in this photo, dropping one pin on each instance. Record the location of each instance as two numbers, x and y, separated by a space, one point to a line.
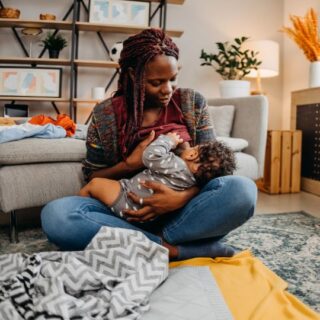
251 290
62 120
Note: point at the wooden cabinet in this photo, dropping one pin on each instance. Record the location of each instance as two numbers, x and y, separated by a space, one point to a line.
305 116
75 26
282 162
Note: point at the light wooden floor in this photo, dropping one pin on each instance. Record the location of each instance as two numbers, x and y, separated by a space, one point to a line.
291 202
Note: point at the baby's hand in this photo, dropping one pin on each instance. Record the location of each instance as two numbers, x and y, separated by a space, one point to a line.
175 138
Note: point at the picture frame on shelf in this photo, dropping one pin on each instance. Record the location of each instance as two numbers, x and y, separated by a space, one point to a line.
30 81
129 13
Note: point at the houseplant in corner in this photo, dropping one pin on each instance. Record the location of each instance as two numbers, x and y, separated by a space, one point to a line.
305 34
54 44
233 64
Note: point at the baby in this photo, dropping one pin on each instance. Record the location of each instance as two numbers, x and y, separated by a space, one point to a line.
194 166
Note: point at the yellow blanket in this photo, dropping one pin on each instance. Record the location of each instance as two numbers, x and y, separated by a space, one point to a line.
251 290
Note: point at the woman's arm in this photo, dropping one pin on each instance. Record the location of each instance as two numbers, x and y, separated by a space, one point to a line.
124 168
162 201
204 128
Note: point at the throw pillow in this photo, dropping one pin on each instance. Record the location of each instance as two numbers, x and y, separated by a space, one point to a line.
222 119
235 144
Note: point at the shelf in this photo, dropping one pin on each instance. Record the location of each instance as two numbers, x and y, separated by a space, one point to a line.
168 1
44 61
60 62
45 24
82 26
81 100
97 63
102 27
7 98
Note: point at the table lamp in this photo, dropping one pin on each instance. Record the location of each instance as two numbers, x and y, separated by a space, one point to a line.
268 53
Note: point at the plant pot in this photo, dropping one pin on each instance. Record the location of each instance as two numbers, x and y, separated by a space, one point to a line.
54 54
314 74
234 88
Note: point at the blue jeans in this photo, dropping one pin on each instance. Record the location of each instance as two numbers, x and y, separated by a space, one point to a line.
222 205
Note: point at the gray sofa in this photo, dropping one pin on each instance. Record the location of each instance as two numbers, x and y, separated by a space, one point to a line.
250 122
36 171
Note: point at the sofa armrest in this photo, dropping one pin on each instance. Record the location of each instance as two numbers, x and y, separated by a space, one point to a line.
250 123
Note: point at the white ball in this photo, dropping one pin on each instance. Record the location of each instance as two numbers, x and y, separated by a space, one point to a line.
115 51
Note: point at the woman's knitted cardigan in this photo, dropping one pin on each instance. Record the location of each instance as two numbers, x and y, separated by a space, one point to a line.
102 141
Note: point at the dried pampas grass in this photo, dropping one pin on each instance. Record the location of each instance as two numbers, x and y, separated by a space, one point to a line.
305 34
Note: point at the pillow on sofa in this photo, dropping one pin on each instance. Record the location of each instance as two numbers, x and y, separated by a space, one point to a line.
235 144
222 119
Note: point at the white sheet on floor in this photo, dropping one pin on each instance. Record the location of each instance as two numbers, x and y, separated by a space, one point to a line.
189 293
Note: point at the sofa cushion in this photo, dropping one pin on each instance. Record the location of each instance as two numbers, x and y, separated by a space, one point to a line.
222 119
247 165
34 185
33 150
235 144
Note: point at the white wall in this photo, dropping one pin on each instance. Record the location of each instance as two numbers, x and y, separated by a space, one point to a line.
208 21
296 65
204 22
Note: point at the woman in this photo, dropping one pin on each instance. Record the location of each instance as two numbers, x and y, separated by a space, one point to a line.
189 223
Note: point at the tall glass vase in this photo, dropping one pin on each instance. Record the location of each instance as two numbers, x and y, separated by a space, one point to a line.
314 74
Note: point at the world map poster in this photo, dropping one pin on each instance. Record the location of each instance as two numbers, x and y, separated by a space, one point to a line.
129 13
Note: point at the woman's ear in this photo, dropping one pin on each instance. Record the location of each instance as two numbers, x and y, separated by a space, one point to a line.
131 74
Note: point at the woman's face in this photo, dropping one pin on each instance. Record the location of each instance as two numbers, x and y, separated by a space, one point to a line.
160 80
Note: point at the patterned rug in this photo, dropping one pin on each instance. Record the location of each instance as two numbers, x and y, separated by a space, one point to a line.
288 243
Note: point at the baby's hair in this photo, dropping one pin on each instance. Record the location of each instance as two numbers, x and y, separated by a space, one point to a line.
216 160
137 51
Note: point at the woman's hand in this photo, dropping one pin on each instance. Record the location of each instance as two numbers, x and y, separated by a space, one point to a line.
162 201
134 161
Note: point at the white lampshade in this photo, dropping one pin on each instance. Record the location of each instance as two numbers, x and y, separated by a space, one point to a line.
268 53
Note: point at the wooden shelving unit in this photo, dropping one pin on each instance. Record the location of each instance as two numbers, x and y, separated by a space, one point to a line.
42 61
305 116
44 24
96 64
60 62
112 28
13 98
74 26
81 26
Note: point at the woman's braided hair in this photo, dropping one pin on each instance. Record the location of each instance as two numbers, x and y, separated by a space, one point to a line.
137 51
216 160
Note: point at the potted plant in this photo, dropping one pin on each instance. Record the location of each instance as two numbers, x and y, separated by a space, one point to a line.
233 63
54 44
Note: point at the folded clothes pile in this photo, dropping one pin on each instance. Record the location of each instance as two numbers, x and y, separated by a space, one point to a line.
63 121
39 126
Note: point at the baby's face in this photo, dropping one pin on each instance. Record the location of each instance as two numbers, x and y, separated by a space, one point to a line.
190 155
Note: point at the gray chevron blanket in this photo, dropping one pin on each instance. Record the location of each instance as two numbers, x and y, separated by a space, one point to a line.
111 279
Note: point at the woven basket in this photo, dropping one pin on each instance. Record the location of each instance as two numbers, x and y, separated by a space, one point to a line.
47 16
9 13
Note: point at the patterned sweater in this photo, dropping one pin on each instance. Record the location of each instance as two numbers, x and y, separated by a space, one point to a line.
102 141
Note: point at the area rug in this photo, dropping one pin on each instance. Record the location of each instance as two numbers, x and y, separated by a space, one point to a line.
288 243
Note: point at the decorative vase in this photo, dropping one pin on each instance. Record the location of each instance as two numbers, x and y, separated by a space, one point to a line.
234 88
54 54
314 74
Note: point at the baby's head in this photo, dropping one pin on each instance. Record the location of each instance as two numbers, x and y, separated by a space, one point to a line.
209 160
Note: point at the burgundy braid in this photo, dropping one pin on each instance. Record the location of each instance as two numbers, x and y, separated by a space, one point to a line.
137 51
